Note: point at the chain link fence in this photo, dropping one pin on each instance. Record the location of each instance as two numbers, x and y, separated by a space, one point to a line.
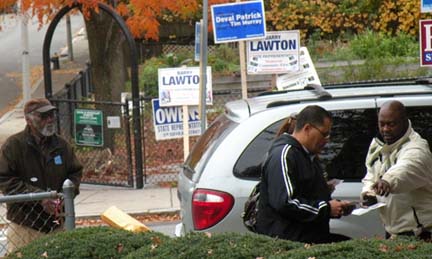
23 218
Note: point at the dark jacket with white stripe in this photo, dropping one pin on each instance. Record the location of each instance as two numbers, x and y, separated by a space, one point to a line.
294 194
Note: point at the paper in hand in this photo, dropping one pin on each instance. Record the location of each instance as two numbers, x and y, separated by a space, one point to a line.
362 211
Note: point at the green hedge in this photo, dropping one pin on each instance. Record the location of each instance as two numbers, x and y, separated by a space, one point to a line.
228 245
92 242
104 242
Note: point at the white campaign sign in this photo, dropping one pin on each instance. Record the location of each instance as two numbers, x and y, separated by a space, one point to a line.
298 80
277 53
180 86
168 121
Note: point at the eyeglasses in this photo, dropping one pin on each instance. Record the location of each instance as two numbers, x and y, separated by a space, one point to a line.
325 135
46 115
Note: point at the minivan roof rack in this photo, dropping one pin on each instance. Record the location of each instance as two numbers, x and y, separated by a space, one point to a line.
320 91
381 82
362 83
371 88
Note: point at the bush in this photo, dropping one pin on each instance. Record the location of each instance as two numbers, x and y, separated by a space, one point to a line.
104 242
366 248
227 245
92 242
371 45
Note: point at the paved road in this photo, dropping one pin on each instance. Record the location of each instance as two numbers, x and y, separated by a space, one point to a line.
10 55
168 228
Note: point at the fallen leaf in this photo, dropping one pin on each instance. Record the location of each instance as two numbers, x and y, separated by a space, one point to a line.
45 254
307 246
399 248
412 247
120 247
383 248
208 234
210 251
156 241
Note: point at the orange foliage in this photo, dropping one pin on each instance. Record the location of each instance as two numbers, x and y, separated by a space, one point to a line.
6 4
142 16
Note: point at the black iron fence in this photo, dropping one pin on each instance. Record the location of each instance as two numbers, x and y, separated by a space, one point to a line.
112 162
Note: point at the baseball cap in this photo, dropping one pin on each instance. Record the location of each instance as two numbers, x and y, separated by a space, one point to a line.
40 105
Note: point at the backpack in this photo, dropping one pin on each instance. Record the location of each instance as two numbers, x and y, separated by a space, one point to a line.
250 212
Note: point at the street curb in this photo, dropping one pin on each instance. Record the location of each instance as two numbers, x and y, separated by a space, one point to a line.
134 214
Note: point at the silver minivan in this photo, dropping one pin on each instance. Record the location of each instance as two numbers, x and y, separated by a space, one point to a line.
218 175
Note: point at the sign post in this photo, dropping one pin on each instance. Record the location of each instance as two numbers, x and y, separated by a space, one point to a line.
185 132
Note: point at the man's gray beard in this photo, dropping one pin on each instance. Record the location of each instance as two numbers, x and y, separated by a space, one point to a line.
48 130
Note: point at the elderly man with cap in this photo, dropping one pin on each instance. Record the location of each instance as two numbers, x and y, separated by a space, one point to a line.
36 160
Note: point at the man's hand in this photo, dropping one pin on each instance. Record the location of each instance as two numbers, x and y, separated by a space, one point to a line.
381 187
337 208
51 206
368 199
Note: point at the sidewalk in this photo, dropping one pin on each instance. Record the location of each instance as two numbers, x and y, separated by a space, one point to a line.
94 199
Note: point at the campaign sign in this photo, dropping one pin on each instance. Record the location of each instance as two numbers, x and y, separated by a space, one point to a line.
197 41
425 42
238 21
426 6
168 121
301 78
180 86
277 53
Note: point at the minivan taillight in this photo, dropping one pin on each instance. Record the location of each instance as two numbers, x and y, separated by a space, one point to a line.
209 207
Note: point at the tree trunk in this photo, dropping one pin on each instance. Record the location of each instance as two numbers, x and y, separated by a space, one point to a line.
107 55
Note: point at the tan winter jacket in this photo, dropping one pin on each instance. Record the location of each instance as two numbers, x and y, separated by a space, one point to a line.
407 166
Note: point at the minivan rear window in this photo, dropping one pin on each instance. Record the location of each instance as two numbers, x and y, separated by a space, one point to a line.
342 158
205 145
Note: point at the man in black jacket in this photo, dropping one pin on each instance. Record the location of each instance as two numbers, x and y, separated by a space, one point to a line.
36 160
295 201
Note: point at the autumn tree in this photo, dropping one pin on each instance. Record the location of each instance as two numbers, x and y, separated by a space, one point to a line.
109 52
107 46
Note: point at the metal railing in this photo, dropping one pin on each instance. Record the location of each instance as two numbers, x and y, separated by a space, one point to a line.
28 205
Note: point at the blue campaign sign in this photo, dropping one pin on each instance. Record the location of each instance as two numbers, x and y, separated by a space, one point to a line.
238 21
197 41
168 121
426 6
